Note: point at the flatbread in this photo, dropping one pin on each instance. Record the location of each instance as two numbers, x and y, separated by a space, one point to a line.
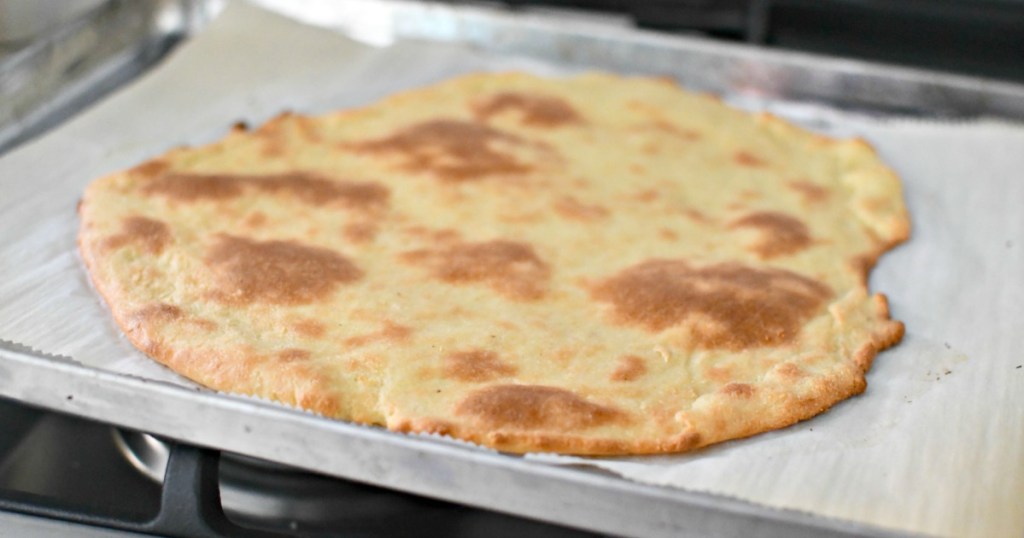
588 265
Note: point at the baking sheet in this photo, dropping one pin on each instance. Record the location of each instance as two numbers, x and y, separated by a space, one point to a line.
935 446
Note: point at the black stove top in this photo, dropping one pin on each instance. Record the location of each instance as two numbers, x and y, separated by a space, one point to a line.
88 473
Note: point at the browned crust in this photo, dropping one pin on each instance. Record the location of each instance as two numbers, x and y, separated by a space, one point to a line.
523 442
304 385
778 408
299 386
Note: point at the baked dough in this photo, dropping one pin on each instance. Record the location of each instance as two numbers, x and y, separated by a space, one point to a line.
587 265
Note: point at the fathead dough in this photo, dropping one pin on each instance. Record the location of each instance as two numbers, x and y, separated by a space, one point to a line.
587 265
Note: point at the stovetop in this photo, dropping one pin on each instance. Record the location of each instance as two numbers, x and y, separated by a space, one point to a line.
69 469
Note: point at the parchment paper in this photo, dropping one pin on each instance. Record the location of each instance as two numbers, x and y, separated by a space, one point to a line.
935 445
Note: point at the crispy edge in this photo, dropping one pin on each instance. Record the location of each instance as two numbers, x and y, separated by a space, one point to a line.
890 230
222 370
521 442
861 170
786 409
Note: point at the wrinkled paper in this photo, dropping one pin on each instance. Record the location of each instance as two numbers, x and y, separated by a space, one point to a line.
935 445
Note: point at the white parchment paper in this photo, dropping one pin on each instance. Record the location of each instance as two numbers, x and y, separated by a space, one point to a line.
935 445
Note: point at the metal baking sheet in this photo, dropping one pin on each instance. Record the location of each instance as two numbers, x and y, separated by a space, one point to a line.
429 466
705 65
581 497
74 64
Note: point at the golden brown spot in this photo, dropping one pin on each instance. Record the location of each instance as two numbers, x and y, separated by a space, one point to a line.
202 324
734 306
256 219
292 354
360 232
722 374
667 80
149 169
452 150
629 368
192 187
275 272
423 425
744 158
535 407
149 235
509 267
534 110
309 328
571 208
790 370
157 313
391 332
810 192
445 235
696 216
741 390
307 187
780 234
476 365
273 144
667 234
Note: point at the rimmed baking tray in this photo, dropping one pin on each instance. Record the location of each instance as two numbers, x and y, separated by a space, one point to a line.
69 66
579 497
